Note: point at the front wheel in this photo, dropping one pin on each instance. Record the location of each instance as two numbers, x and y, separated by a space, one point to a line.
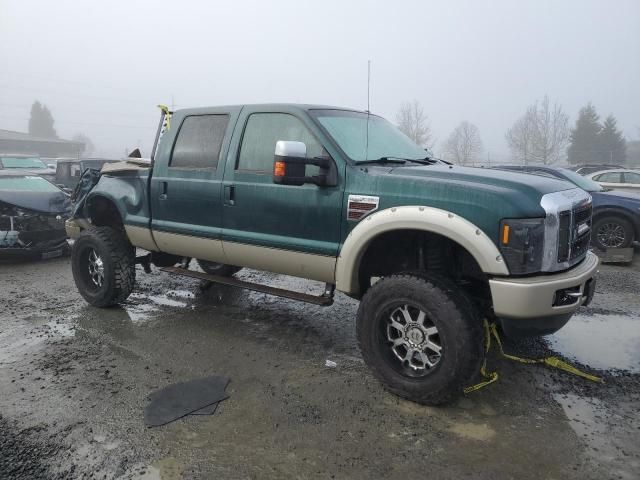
103 265
220 269
419 336
612 232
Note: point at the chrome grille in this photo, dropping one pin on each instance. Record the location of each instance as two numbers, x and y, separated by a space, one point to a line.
574 233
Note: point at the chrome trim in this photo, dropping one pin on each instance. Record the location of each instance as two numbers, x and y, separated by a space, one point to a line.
553 204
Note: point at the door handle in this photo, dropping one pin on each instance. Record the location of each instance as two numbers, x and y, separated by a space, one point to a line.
230 195
163 195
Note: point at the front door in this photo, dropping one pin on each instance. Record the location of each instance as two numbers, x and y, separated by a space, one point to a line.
186 186
280 228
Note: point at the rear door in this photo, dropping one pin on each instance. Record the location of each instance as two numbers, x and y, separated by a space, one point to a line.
280 228
186 186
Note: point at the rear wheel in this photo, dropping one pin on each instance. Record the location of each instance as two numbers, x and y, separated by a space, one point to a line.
103 265
612 232
419 337
220 269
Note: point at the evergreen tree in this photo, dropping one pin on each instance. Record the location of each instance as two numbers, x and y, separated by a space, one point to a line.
584 147
41 122
612 143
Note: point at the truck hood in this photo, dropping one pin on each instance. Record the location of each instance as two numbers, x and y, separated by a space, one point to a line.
482 196
499 180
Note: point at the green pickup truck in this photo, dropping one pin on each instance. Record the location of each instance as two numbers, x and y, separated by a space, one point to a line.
344 198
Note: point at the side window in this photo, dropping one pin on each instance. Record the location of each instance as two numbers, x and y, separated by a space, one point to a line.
631 177
611 177
199 141
75 170
262 132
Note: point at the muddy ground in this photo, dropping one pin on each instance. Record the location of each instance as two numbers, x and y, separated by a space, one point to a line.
74 382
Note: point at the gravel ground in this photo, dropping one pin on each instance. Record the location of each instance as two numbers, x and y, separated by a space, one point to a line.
74 381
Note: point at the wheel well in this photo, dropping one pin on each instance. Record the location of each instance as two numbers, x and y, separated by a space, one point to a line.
417 250
104 213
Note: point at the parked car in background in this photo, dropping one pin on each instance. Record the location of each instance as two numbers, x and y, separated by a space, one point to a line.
27 164
618 178
32 216
587 169
616 214
69 171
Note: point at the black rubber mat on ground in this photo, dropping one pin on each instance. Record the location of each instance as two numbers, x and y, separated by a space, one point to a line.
199 396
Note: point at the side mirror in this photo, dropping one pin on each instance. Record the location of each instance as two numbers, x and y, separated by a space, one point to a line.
290 163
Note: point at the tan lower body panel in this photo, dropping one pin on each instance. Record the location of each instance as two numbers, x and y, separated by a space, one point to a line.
188 246
286 262
140 237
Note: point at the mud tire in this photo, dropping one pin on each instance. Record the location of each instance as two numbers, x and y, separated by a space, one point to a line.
459 329
118 257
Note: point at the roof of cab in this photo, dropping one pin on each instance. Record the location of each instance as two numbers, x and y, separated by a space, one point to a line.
274 106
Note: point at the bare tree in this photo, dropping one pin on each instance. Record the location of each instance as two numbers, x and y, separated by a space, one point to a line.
464 144
414 123
540 135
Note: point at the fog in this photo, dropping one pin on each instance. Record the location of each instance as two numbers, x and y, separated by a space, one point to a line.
101 67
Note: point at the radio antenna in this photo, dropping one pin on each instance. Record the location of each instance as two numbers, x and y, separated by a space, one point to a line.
366 149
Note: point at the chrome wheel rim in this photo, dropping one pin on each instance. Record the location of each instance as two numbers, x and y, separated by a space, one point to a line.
413 340
96 268
611 235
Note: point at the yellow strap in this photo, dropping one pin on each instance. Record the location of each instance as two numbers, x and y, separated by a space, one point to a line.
557 363
490 377
167 116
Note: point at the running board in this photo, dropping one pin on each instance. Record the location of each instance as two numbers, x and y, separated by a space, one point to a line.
323 300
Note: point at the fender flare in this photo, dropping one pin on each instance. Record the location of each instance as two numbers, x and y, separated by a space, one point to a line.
416 217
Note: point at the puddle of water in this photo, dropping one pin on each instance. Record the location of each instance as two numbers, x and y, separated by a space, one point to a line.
140 312
601 341
166 302
585 415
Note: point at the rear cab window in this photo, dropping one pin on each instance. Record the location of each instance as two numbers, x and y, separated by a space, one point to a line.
199 142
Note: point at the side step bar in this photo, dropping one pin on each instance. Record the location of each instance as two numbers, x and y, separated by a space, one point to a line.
323 300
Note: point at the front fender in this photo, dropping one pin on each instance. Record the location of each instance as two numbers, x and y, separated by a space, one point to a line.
428 219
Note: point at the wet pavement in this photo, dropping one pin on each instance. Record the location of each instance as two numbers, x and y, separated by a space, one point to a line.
74 382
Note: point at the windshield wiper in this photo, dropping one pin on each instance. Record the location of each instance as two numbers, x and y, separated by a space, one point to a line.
384 160
425 161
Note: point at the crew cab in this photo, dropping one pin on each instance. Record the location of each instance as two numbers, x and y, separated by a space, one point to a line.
344 198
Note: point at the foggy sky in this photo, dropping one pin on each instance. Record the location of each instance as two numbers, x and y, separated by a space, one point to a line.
101 67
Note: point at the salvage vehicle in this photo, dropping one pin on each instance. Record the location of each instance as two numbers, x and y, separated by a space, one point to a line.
616 213
27 164
32 216
343 197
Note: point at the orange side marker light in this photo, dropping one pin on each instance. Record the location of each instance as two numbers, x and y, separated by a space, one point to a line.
505 234
279 169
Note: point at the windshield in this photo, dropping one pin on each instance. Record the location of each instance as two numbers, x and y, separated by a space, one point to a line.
584 183
27 184
22 162
349 130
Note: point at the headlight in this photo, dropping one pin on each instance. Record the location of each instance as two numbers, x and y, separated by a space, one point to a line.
522 244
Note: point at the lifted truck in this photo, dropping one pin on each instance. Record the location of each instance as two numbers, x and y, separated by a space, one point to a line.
342 197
